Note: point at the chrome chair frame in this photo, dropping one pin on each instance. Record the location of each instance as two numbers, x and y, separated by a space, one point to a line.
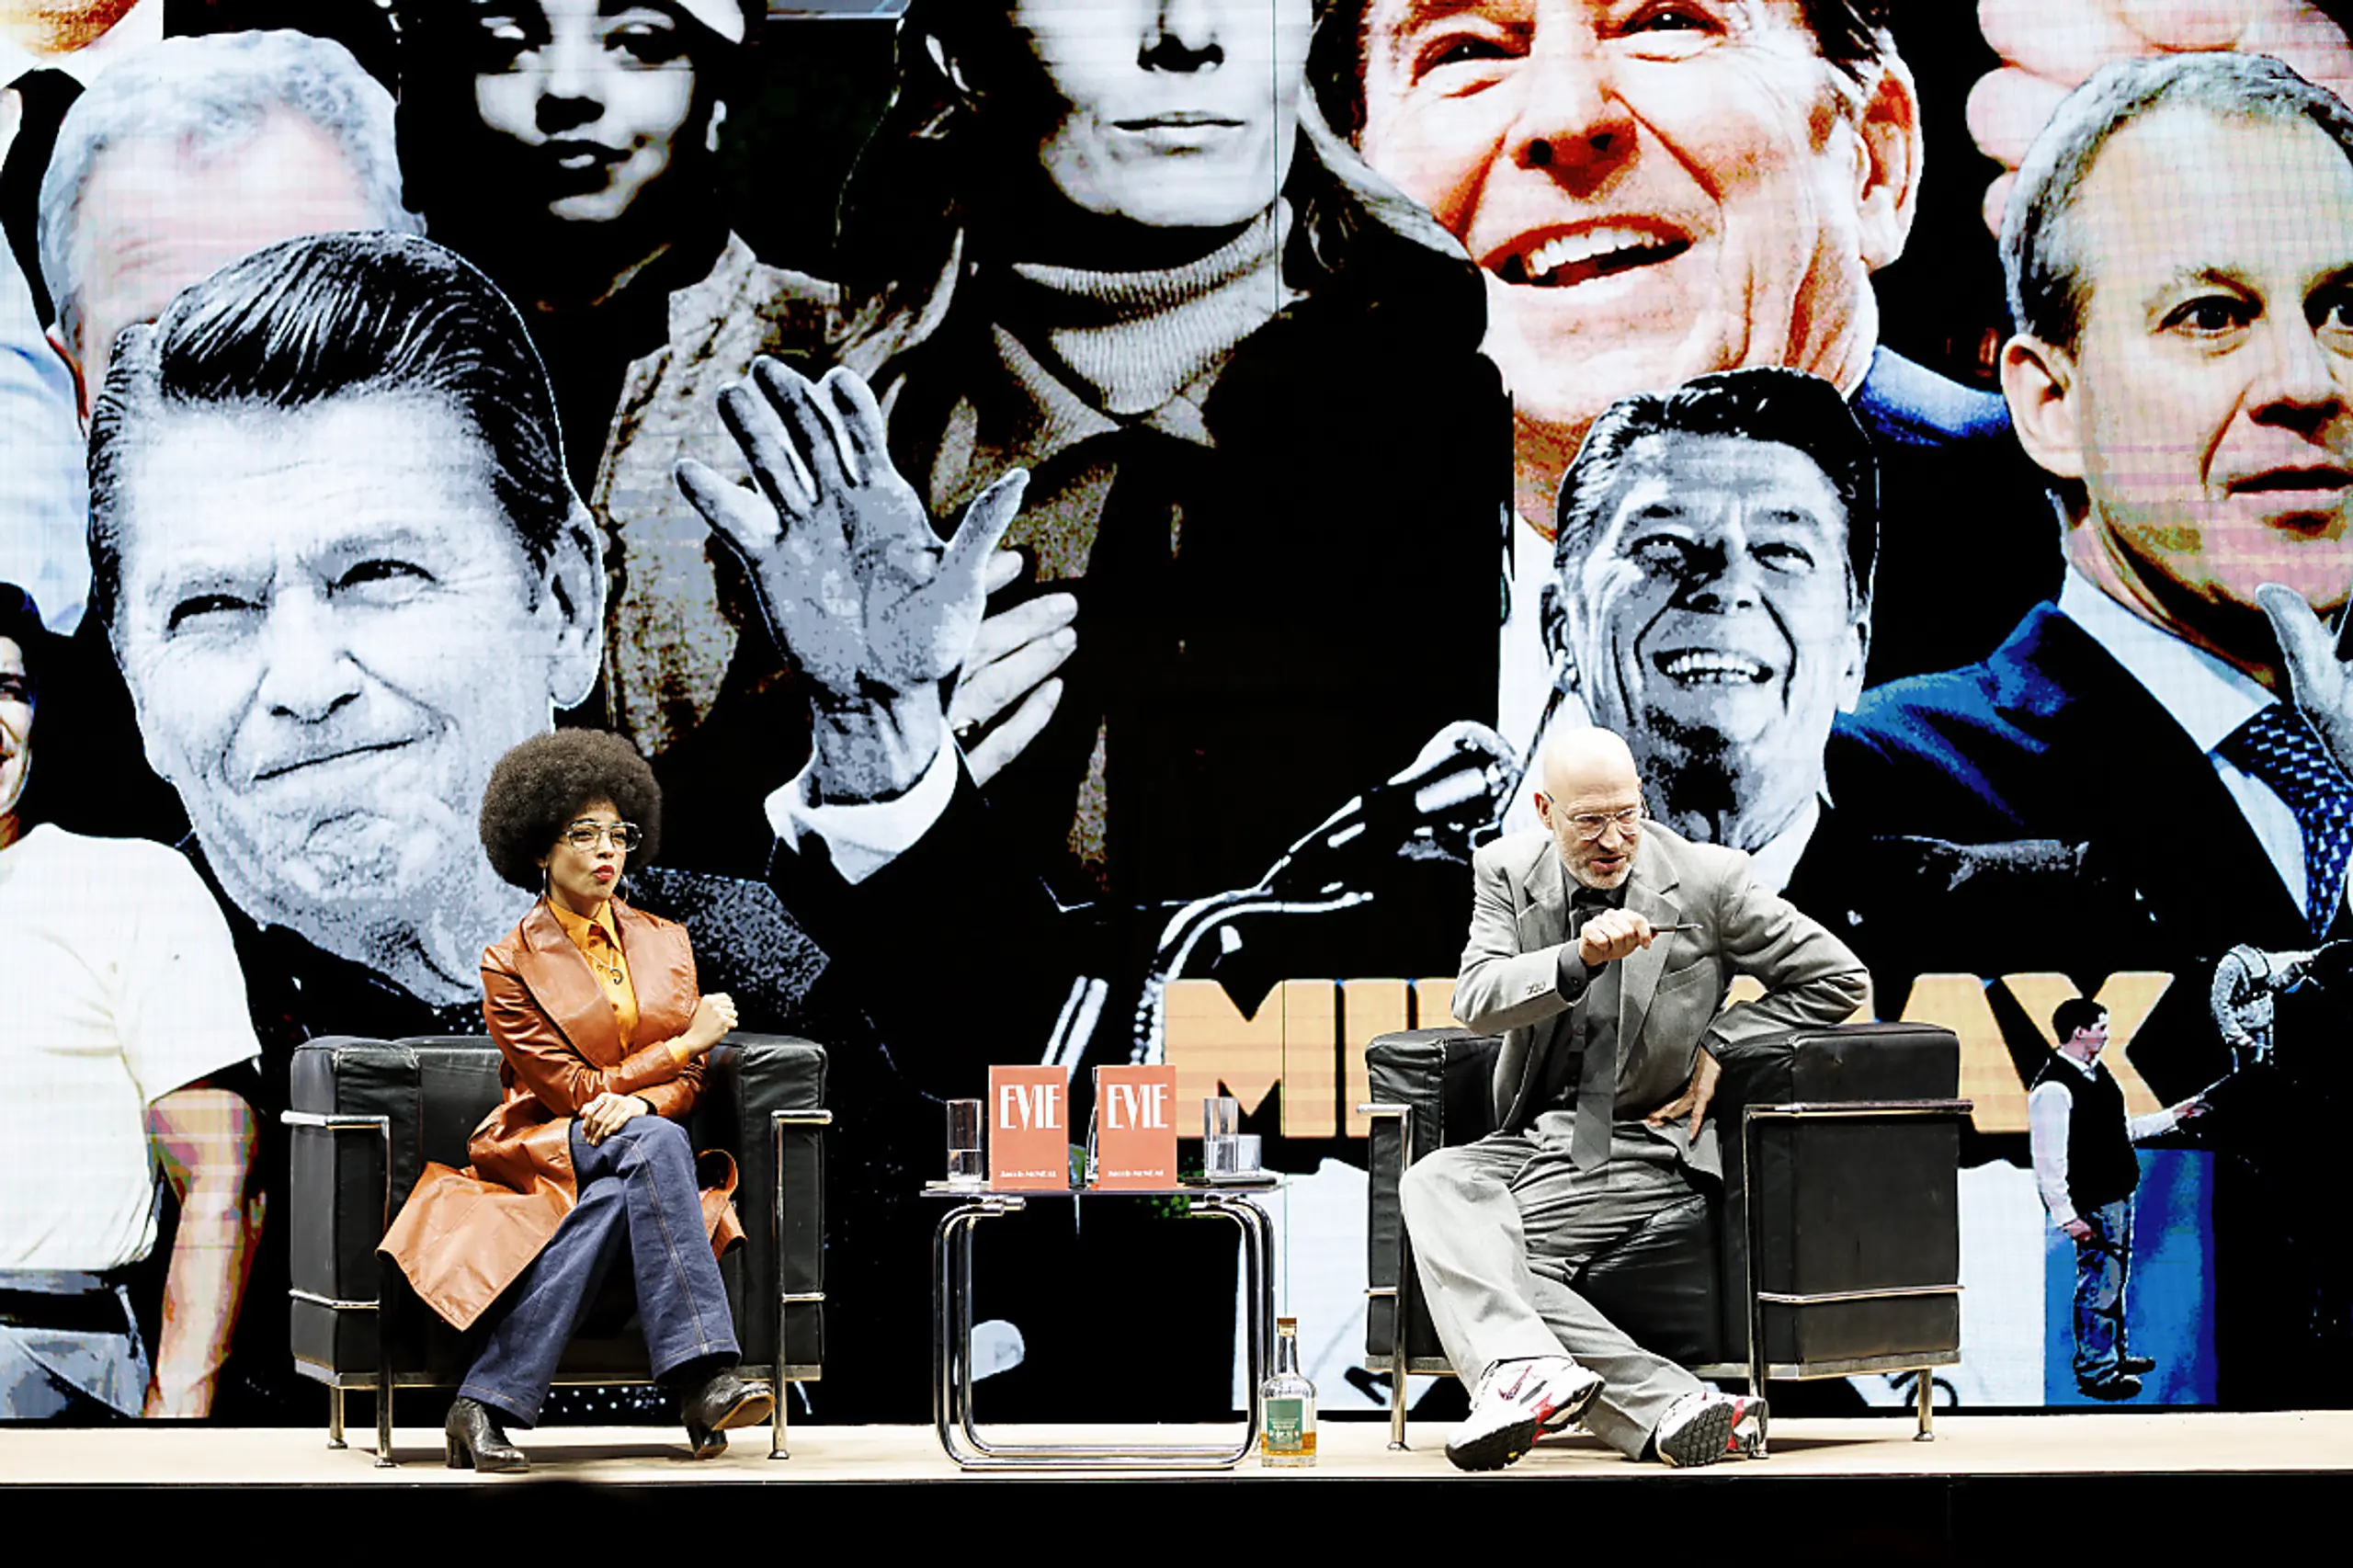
1756 1370
385 1379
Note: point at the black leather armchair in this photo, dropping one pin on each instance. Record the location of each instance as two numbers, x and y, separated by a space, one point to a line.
368 1114
1832 1248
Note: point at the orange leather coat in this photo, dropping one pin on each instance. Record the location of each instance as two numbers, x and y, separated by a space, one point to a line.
464 1235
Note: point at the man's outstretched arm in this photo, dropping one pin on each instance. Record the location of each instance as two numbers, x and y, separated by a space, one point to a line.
204 1138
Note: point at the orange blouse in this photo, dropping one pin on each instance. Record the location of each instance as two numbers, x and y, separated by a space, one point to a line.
599 941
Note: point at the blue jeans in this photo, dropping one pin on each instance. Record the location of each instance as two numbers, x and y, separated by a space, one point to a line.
638 1195
2100 1265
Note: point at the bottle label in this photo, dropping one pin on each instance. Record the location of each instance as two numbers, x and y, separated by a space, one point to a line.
1286 1422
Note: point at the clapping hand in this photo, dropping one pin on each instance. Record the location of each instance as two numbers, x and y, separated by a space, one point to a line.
2319 684
1008 688
856 585
2049 46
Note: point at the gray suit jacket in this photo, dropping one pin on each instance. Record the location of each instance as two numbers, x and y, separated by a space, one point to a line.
1670 995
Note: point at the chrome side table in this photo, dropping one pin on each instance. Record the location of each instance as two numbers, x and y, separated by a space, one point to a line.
951 1313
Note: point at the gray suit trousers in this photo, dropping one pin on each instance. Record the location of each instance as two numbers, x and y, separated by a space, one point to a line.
1500 1226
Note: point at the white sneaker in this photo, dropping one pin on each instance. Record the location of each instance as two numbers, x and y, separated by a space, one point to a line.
1705 1427
1515 1401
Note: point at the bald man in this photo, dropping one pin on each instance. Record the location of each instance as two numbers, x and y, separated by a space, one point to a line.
1601 947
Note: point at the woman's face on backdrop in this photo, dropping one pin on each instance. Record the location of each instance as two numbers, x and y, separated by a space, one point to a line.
591 104
1173 114
15 731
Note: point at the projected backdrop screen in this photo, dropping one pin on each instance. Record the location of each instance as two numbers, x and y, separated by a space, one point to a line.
1335 398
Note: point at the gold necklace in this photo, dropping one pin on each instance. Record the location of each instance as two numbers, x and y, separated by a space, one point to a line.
612 973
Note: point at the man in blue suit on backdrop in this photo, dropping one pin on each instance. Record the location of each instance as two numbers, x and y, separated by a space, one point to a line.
2189 394
2179 255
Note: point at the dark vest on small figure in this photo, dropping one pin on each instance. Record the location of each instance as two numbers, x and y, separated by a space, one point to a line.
2101 1166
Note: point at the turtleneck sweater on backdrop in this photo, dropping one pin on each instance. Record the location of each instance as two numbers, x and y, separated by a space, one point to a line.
1282 516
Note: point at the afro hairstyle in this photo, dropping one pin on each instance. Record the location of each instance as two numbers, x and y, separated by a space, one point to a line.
540 788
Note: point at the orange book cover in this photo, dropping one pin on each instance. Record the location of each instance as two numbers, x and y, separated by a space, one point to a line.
1135 1127
1029 1128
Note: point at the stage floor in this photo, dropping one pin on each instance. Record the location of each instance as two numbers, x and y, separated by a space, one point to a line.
2107 1444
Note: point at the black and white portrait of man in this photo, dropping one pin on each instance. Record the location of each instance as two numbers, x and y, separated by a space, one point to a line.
326 505
1713 594
337 556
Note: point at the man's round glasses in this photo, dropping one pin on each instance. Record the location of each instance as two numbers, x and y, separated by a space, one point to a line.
625 835
1590 825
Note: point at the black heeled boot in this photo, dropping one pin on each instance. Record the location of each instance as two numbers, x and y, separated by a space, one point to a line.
476 1441
721 1401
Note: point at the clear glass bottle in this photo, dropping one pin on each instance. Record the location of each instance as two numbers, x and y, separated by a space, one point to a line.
1287 1433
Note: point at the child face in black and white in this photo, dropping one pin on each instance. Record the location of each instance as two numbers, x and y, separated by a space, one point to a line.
591 105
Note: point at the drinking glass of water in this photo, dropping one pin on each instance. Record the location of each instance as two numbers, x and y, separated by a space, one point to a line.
967 1162
1222 1138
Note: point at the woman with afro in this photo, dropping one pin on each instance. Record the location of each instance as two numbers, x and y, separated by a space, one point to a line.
604 1034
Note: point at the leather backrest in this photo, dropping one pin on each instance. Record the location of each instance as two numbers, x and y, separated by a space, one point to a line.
457 1085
